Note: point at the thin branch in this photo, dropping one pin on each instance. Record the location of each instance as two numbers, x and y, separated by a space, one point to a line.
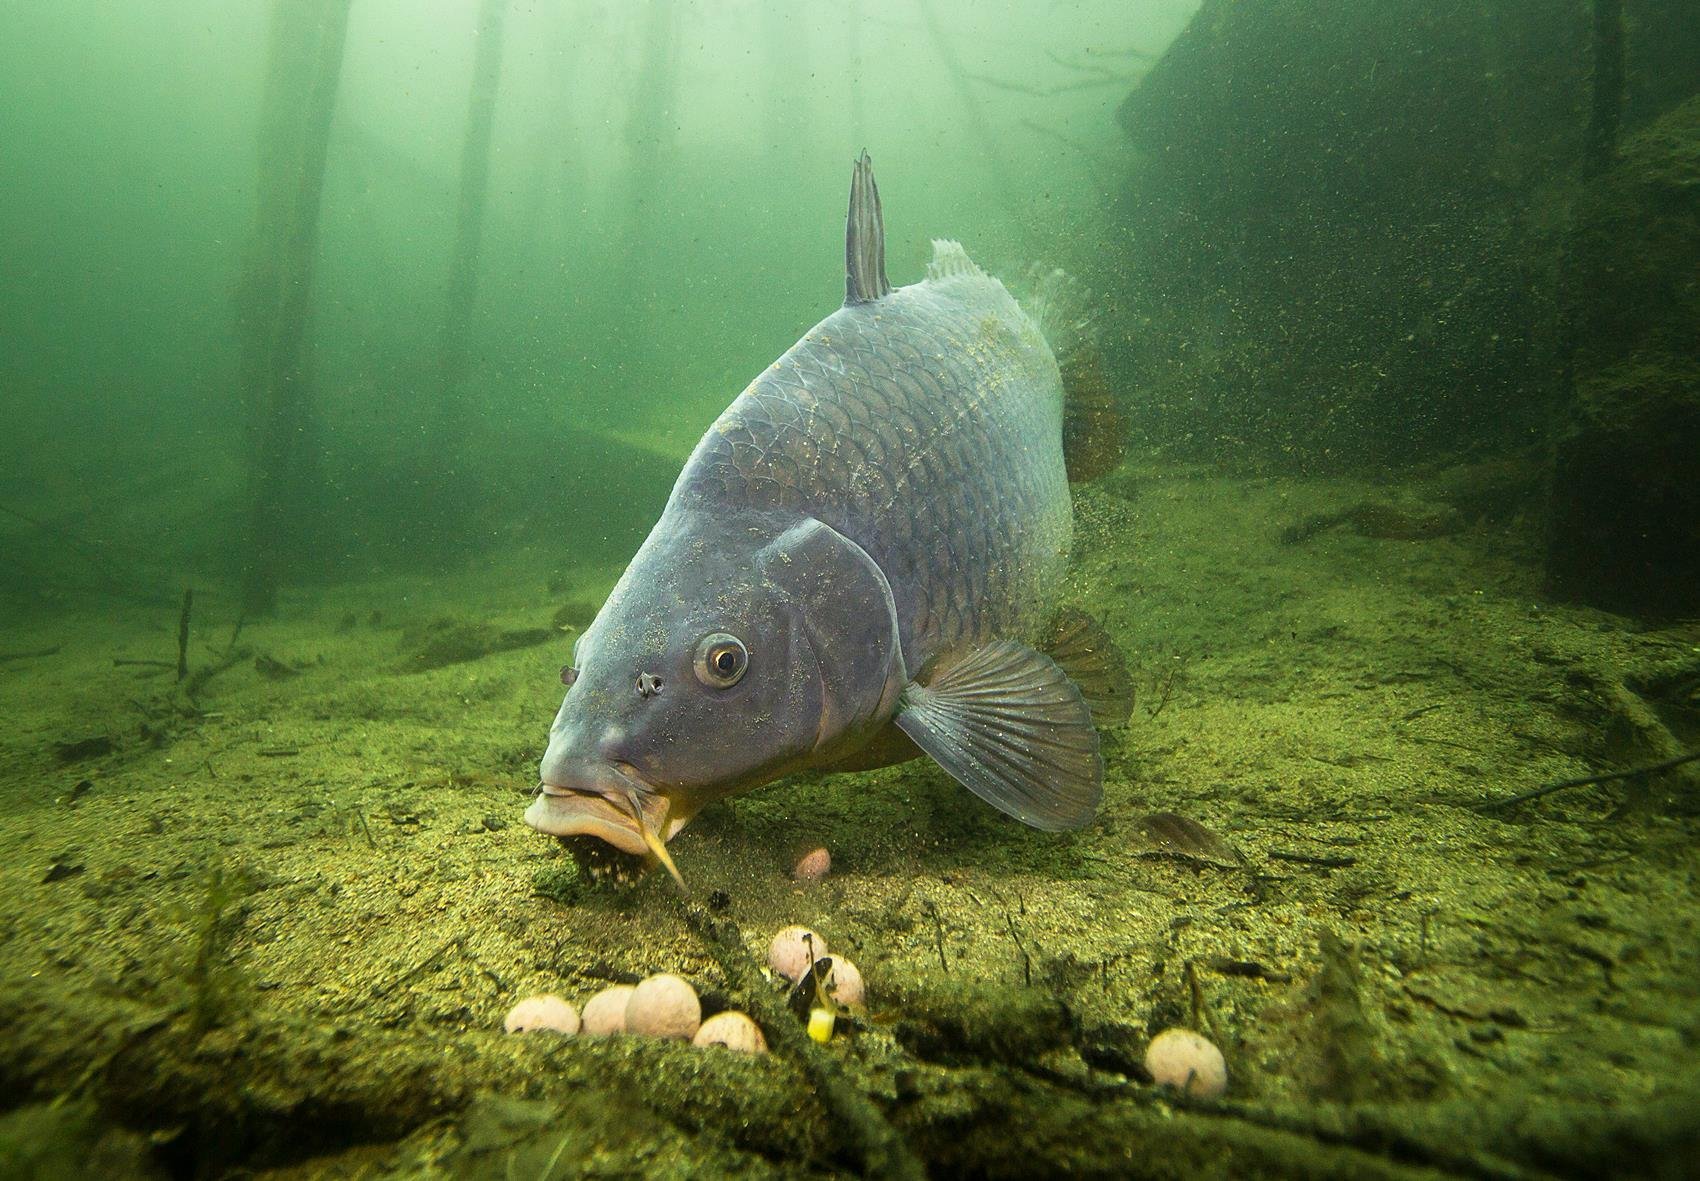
1610 776
1046 91
1082 68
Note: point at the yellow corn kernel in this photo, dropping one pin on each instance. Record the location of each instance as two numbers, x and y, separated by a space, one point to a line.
820 1025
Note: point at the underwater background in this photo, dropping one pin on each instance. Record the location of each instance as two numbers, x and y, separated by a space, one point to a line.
349 348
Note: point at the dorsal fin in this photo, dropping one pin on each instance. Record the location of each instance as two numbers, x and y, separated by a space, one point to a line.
864 238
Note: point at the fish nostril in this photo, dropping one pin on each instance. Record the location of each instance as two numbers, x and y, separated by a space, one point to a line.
648 685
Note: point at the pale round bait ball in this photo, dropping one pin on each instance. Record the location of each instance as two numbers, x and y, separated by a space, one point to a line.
846 986
790 954
605 1013
812 866
734 1030
542 1012
1187 1061
664 1006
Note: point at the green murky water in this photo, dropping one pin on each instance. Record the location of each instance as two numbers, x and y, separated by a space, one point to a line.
348 351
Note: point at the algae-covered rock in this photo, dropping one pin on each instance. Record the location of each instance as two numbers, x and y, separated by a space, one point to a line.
1338 255
967 1021
1625 519
1633 286
69 1142
1625 531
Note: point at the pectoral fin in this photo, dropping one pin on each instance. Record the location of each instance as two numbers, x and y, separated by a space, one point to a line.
1010 726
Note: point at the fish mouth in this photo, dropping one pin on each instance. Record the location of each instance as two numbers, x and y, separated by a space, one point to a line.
625 812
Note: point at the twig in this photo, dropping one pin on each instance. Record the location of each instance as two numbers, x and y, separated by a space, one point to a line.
1081 67
1201 1018
422 967
1313 859
29 653
183 633
1015 935
1167 685
1130 51
127 662
883 1152
932 912
202 675
1043 91
1536 793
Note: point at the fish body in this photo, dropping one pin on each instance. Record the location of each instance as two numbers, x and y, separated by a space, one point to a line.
925 426
849 572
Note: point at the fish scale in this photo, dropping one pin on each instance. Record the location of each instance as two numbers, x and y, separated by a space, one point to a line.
848 574
904 424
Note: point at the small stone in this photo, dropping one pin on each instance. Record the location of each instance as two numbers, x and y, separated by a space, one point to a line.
545 1012
1187 1061
812 866
664 1006
793 951
845 985
734 1030
605 1013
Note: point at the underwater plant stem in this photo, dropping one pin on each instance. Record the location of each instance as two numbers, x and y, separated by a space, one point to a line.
882 1151
274 301
1600 150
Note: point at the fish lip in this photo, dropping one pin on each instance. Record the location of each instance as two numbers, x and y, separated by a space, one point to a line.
564 811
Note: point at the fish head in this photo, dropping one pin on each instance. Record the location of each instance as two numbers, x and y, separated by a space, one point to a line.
731 652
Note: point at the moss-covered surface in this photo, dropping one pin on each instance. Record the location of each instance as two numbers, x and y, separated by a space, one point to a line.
1625 514
274 926
1340 228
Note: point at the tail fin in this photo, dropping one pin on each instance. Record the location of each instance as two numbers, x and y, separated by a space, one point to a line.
1060 305
1095 426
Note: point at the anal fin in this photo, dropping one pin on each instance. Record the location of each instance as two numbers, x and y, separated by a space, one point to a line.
1084 651
1095 424
1009 725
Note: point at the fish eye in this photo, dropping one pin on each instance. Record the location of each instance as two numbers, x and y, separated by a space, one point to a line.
569 674
721 660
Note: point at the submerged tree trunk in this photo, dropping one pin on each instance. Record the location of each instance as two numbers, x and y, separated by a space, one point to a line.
1600 151
650 137
274 299
462 295
649 130
985 139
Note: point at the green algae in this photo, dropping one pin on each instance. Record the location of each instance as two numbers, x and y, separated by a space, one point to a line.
211 975
1344 704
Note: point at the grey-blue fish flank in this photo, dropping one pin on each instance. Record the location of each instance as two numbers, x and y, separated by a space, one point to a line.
852 570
